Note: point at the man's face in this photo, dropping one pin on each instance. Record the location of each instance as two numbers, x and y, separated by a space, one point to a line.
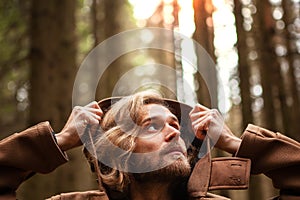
159 134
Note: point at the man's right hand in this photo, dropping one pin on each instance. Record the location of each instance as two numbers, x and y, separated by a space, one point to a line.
70 135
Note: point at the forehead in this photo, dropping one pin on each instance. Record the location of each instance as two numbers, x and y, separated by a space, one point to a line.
157 110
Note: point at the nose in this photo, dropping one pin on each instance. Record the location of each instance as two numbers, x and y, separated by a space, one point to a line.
171 133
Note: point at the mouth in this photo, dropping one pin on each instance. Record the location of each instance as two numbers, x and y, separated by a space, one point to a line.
175 150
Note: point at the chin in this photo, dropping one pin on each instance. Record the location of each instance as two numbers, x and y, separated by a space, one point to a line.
178 169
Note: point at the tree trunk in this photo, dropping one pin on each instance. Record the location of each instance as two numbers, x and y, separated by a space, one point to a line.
109 20
206 79
162 57
292 126
265 64
52 59
244 74
243 66
53 67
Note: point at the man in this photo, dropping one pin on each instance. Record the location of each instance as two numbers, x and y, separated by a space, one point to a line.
142 148
148 129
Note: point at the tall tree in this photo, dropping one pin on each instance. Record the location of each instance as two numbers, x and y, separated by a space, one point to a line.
53 67
52 56
262 36
204 36
243 65
161 19
110 18
206 78
13 66
290 14
255 51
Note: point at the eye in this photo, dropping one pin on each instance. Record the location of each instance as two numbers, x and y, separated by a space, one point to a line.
153 127
175 125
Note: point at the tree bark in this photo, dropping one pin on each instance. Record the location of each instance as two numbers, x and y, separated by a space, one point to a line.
203 34
292 126
108 20
243 66
53 67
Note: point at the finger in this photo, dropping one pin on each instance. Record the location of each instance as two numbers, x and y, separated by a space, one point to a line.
94 118
200 135
198 114
200 107
201 128
86 117
202 124
96 111
93 121
93 104
199 120
209 116
211 112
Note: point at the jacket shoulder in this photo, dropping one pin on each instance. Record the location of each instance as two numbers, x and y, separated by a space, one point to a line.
87 195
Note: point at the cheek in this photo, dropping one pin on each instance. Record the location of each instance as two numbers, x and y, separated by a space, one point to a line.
146 145
182 144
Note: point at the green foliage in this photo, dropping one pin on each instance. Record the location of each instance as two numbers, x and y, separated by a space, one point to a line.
83 29
13 60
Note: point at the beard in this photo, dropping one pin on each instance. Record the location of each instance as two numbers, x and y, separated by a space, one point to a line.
177 171
175 168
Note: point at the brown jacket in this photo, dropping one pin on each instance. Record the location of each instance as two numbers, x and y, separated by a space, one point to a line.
23 154
273 154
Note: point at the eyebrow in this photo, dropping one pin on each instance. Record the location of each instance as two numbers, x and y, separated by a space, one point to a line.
158 116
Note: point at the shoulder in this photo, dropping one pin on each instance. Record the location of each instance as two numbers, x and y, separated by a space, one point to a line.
93 194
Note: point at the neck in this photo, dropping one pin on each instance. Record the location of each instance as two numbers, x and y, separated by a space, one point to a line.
151 191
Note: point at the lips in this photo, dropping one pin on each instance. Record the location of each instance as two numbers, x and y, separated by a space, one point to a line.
173 149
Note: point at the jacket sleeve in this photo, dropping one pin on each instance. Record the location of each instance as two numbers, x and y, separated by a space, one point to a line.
273 154
25 153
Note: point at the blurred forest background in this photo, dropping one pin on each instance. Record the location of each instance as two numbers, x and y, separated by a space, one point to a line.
254 43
